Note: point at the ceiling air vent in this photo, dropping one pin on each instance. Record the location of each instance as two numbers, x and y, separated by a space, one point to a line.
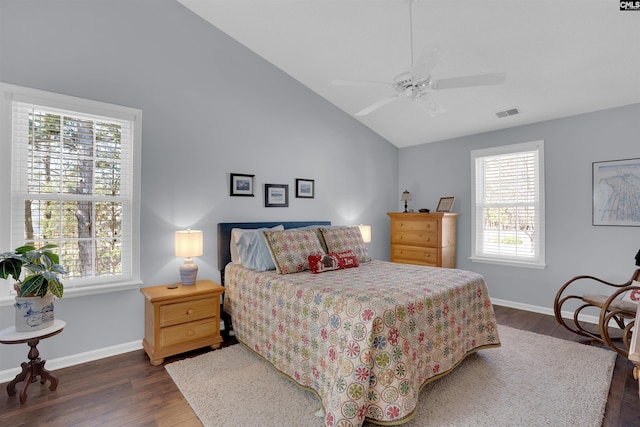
509 112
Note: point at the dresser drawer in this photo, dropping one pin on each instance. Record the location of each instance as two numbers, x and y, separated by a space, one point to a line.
189 332
416 237
425 224
414 255
188 311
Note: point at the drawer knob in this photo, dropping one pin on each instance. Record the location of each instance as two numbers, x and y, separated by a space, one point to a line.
190 332
190 311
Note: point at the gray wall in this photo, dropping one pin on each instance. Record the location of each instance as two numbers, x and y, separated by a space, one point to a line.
210 107
573 245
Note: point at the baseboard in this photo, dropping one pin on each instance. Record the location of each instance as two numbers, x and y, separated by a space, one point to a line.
544 310
76 359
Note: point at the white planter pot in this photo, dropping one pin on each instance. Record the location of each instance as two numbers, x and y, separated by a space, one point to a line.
34 313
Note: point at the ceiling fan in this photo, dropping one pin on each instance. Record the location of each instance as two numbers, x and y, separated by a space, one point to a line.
416 83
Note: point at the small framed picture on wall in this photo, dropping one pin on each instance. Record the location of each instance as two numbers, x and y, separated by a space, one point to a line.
241 185
276 196
305 188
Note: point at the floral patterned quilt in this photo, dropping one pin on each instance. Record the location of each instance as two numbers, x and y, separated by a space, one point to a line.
365 339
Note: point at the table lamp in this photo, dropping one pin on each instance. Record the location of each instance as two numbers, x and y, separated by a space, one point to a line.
188 243
406 197
365 230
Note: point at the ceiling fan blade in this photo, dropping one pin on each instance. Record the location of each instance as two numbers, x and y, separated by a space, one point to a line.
382 102
358 83
427 60
430 106
469 81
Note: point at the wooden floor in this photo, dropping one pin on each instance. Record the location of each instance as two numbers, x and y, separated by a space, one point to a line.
126 390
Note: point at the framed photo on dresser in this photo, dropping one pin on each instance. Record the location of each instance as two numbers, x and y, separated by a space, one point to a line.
445 204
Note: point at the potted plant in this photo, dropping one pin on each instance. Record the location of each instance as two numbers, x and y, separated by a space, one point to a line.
37 289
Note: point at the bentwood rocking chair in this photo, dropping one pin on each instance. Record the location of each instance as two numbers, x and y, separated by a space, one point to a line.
616 309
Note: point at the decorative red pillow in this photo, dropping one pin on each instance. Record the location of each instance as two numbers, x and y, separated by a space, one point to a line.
320 263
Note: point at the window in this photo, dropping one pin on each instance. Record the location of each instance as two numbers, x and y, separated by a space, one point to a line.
75 178
508 204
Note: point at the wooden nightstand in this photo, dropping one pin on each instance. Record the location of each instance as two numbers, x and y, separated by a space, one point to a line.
181 319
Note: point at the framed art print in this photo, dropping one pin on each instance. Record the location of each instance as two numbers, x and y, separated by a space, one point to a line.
276 195
445 204
241 185
616 192
305 188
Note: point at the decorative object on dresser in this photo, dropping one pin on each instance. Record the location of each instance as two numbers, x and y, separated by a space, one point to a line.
445 204
305 188
424 238
181 319
241 184
35 291
188 244
406 197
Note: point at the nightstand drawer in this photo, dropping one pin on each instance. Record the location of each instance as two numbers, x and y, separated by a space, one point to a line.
182 312
189 332
414 255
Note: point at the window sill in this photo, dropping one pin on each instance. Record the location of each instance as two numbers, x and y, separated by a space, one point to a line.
512 263
9 300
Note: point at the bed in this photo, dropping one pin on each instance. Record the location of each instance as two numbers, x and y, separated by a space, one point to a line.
365 340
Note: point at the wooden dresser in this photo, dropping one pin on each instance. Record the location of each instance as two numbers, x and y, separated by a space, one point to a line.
424 238
181 319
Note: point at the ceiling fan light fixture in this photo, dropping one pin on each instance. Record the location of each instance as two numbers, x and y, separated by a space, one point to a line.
416 83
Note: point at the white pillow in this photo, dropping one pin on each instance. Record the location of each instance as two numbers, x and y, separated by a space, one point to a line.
233 245
235 236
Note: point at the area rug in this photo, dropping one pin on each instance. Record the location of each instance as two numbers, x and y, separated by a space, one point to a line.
532 380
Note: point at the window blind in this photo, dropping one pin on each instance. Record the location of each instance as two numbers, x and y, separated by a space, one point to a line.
72 185
507 203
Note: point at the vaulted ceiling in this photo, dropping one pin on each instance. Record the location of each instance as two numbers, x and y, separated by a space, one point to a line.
561 57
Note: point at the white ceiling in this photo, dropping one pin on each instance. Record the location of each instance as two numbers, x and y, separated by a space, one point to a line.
562 57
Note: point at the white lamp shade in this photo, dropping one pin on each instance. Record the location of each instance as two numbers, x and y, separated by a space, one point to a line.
365 230
188 243
406 196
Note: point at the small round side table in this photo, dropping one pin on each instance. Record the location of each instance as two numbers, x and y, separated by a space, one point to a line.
35 367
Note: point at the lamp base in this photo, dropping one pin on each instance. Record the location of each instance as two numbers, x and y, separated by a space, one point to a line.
188 272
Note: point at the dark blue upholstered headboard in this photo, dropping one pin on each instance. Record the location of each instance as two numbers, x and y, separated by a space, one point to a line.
224 236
